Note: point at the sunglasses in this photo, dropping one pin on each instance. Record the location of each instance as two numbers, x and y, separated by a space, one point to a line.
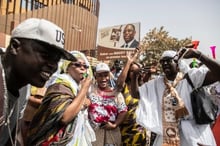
168 61
77 64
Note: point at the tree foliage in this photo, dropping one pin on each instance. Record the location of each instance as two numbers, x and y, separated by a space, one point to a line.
156 41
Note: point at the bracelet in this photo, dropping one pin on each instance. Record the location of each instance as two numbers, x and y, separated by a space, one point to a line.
200 55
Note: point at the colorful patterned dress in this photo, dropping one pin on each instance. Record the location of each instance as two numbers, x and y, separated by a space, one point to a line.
105 107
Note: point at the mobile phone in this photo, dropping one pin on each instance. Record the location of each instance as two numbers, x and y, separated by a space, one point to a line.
85 75
181 53
146 69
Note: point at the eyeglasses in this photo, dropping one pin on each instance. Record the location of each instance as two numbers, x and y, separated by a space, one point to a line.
77 64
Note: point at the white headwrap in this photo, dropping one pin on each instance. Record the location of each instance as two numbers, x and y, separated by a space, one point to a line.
183 66
168 53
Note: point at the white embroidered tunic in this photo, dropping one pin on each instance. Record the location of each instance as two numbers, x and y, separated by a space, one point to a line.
149 111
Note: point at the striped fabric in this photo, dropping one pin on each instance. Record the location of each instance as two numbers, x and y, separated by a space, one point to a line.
132 133
45 127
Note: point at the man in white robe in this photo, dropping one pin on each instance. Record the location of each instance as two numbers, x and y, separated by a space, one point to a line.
149 112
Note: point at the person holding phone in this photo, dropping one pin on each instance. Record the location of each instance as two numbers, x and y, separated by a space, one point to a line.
131 132
165 106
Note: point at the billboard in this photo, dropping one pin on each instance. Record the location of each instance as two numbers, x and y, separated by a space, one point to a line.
113 42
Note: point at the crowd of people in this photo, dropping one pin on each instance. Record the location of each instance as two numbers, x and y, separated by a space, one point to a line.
50 96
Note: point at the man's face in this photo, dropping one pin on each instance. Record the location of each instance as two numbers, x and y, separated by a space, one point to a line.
35 62
169 66
129 33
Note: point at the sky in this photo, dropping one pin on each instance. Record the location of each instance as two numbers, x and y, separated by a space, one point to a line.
198 19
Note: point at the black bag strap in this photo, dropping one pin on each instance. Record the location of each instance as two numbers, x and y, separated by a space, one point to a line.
189 80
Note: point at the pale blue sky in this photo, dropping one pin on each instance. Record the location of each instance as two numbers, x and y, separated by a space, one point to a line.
199 19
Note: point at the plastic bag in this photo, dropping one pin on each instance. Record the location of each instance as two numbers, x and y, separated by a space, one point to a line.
84 133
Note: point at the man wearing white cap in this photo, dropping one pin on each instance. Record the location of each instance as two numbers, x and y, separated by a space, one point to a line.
32 56
165 105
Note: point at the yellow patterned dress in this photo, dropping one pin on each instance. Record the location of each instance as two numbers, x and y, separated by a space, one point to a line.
132 133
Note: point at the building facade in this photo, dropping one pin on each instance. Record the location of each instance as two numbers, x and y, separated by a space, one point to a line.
78 19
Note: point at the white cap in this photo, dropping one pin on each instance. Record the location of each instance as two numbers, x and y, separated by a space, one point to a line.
45 31
168 53
102 67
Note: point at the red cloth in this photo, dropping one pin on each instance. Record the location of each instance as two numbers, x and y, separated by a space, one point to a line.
54 138
216 131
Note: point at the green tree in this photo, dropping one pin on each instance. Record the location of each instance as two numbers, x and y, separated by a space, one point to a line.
156 41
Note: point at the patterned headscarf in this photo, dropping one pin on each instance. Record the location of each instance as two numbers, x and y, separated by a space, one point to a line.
78 56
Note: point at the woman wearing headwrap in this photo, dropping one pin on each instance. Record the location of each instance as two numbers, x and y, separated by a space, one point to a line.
56 119
132 134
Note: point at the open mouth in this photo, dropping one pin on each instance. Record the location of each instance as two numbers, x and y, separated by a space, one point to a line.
166 68
45 75
103 83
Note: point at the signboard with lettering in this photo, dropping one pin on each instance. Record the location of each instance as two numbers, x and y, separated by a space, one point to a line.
113 42
106 54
